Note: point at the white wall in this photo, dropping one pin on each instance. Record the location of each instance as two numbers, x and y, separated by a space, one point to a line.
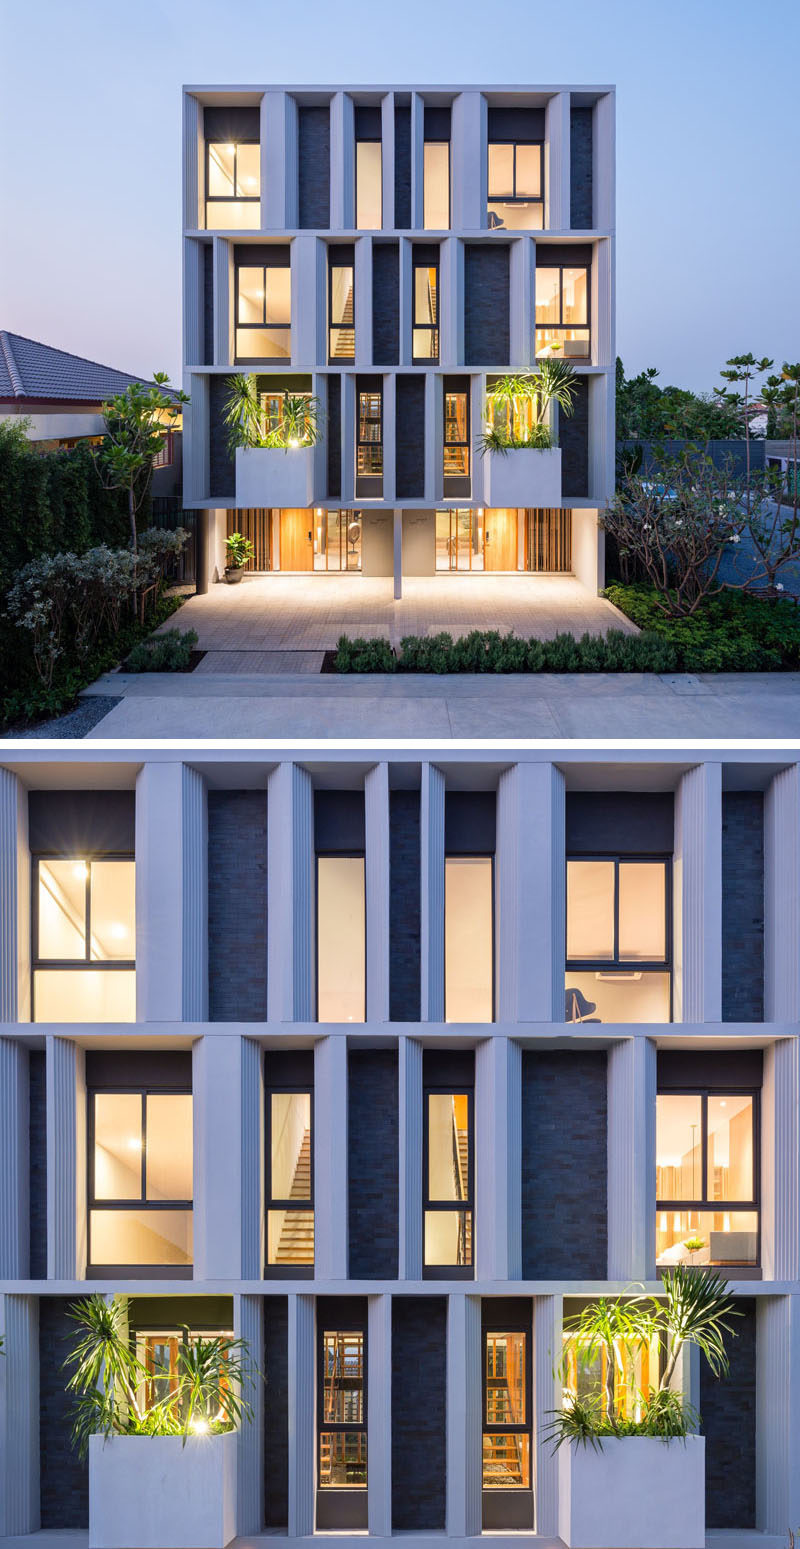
419 542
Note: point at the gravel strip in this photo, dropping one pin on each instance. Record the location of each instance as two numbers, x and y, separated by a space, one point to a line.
76 723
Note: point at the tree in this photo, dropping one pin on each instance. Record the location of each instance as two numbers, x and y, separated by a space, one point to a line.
744 368
648 412
137 422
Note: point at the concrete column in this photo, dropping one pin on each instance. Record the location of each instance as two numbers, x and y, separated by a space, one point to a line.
248 1323
498 1160
193 300
349 433
777 1413
306 300
19 1416
602 313
406 312
389 438
15 901
780 1160
278 161
451 302
417 161
397 552
782 897
464 1405
223 302
547 1318
376 815
362 299
557 159
302 1415
410 1148
521 299
434 415
601 438
477 409
432 894
291 895
193 163
469 165
530 894
171 894
66 1160
218 1157
632 1159
330 1158
196 466
14 1166
253 1159
604 163
588 548
379 1415
697 881
387 158
343 163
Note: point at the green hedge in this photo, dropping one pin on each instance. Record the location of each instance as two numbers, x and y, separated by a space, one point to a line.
733 632
54 502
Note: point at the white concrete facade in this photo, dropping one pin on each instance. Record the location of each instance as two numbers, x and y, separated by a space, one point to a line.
532 789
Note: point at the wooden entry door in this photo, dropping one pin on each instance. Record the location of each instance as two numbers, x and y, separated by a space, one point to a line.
500 542
297 547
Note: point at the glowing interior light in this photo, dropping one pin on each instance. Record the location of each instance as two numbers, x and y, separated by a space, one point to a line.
118 932
200 1425
663 1223
293 441
134 1143
80 870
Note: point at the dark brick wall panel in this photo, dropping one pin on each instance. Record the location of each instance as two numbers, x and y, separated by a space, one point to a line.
580 150
334 435
37 1152
564 1166
276 1411
728 1409
64 1479
237 906
386 304
402 168
742 906
573 436
410 436
419 1462
222 468
208 305
486 320
314 157
404 906
372 1161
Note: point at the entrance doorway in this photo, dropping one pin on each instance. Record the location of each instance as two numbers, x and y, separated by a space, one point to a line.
501 539
548 540
297 539
459 540
337 541
256 524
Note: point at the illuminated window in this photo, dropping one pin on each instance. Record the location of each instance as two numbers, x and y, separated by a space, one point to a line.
425 334
159 1351
507 1500
636 1373
618 941
707 1177
369 192
369 443
448 1181
342 1460
468 938
341 315
456 434
290 1183
460 539
436 185
233 186
84 939
263 312
337 540
140 1179
516 185
341 939
562 310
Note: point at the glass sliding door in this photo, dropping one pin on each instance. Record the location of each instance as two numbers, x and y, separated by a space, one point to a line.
337 541
460 539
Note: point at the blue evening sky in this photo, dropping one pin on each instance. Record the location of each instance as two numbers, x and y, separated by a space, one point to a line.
708 212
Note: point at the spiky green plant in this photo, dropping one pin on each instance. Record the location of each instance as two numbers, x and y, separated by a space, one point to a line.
241 414
299 424
527 395
696 1310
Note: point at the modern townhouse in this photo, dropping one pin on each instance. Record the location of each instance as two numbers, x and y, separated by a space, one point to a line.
387 1064
393 253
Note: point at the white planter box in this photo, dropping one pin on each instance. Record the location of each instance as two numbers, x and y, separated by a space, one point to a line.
637 1493
522 478
154 1492
266 476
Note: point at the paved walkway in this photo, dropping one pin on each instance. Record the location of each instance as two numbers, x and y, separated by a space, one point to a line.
756 706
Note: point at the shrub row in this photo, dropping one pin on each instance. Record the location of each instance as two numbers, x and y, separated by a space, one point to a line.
734 632
170 652
489 651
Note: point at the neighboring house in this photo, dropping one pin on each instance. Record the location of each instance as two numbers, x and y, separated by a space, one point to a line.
783 455
391 251
62 396
292 1049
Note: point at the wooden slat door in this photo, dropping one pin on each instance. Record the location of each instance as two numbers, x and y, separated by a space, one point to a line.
297 549
254 523
500 542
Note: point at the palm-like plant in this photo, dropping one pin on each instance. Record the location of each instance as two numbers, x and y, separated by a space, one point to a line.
696 1310
241 414
525 400
299 423
614 1329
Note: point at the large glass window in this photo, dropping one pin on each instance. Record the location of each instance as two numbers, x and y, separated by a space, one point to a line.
562 310
468 938
233 186
456 434
290 1188
337 540
369 193
341 939
140 1179
436 185
369 446
263 312
516 184
158 1352
636 1372
341 315
506 1410
448 1188
84 939
426 312
342 1461
618 941
707 1178
460 539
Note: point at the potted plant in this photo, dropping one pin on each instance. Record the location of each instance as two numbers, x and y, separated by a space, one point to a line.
631 1470
162 1453
518 421
238 552
273 451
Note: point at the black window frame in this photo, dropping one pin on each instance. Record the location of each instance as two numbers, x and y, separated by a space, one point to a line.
493 1325
516 198
430 328
543 327
233 198
351 1326
347 855
461 477
262 327
271 1201
616 964
133 1271
79 964
718 1207
369 483
461 1206
338 360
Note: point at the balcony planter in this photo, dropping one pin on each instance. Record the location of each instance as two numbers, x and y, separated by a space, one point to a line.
523 476
159 1492
269 476
638 1492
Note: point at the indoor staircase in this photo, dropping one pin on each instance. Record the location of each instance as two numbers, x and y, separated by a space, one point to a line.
296 1244
345 337
462 1186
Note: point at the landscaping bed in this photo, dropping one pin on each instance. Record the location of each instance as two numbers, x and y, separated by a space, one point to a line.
731 632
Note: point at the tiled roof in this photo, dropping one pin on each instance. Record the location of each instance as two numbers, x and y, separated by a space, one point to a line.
29 370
